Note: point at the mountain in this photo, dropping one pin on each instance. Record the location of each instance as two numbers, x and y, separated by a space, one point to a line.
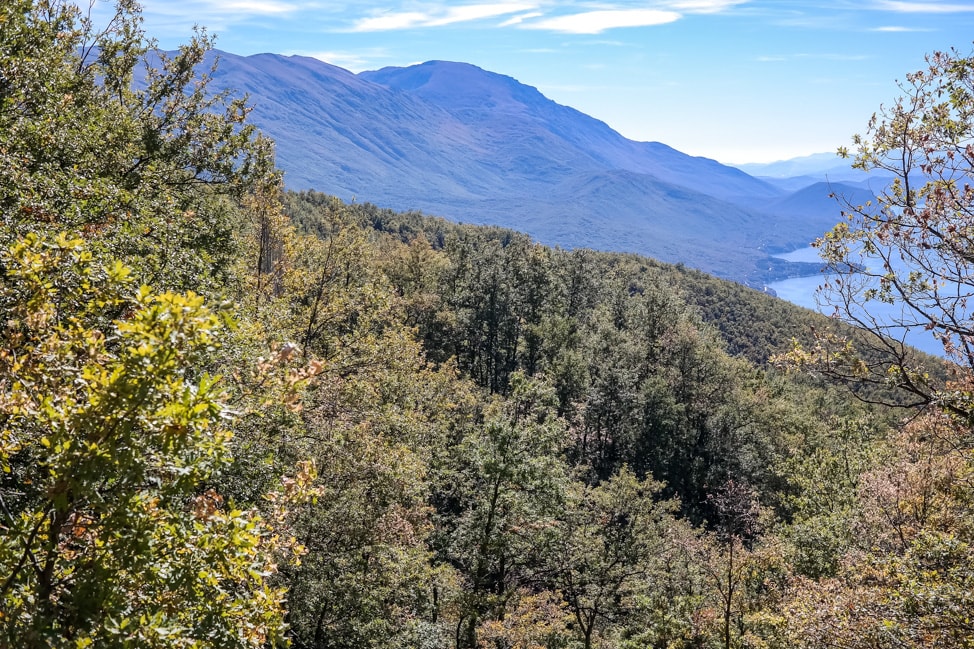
453 140
523 122
798 173
819 205
817 164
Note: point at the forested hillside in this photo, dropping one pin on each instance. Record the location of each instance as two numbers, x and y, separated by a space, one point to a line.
232 416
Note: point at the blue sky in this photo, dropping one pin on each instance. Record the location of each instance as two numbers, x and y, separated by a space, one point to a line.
734 80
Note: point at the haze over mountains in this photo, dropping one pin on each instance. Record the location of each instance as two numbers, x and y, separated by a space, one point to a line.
799 173
453 140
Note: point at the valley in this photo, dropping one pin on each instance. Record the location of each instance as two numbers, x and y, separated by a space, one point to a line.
453 140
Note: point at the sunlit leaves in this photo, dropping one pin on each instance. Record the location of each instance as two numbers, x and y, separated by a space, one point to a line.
108 429
905 261
127 147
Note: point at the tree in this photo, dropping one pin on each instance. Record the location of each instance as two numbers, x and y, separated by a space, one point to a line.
118 167
737 527
498 492
127 147
908 580
369 418
110 533
905 262
610 548
825 481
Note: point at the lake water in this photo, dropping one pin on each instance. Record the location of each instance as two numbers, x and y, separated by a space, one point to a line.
802 291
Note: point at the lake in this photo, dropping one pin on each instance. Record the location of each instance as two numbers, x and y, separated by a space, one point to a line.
802 291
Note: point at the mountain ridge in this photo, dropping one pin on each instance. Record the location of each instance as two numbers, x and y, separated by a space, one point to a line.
453 140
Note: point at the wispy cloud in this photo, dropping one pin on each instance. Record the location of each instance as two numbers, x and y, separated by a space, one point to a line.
899 28
479 12
389 21
176 18
924 7
226 8
596 22
517 20
550 15
354 61
703 6
438 17
622 14
256 7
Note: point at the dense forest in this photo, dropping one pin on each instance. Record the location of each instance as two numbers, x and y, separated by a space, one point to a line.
234 416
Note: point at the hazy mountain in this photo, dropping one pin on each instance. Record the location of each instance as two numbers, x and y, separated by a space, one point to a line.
819 167
454 140
522 124
817 164
819 205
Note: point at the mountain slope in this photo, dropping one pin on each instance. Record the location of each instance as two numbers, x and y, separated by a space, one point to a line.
819 167
453 140
501 106
818 206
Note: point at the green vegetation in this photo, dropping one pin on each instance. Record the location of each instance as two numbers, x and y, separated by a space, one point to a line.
233 416
911 248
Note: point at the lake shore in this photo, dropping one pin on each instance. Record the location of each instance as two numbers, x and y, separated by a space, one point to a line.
804 291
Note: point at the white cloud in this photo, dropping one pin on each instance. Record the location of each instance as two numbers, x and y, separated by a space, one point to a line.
438 17
352 61
176 18
924 7
551 15
617 15
479 12
388 21
517 20
704 6
596 22
225 8
898 29
256 7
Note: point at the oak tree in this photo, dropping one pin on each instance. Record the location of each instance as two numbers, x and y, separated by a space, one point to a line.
903 263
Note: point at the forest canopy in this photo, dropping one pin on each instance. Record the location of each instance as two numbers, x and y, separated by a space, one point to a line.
232 415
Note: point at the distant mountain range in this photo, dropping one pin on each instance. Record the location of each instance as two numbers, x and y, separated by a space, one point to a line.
829 168
453 140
